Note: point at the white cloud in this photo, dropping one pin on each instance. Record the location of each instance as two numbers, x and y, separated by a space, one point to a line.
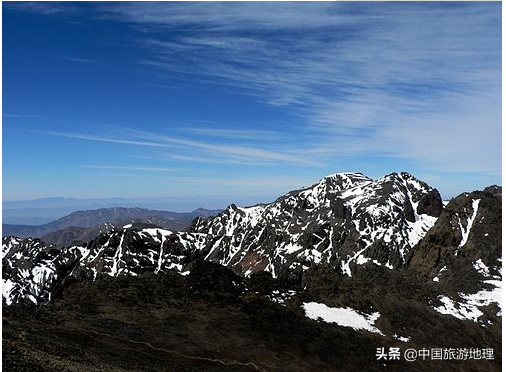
79 59
232 152
263 135
367 78
417 81
41 7
129 167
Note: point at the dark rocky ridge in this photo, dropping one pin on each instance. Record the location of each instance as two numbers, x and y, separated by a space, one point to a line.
109 299
344 221
214 320
340 218
442 245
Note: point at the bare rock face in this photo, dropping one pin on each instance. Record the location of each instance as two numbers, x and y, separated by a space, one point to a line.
232 291
345 220
430 204
494 190
31 268
462 257
468 230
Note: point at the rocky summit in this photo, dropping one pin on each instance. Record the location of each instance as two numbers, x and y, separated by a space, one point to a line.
319 279
344 220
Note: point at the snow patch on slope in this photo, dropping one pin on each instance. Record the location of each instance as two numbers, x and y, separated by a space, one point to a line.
402 339
481 268
470 221
436 278
7 288
346 317
468 306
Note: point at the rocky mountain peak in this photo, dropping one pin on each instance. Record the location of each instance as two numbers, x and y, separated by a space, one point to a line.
345 180
345 221
468 230
494 190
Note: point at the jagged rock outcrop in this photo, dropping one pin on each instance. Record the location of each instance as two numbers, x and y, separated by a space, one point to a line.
345 220
468 231
367 262
462 256
31 269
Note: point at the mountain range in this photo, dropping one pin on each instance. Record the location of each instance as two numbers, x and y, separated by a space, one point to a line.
85 225
349 263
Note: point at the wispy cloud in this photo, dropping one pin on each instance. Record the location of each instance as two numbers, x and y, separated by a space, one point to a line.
99 138
279 183
229 16
129 167
415 83
212 160
41 7
367 78
78 59
264 135
236 153
242 151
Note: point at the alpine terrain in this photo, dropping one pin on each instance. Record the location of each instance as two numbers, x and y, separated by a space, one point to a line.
85 225
324 278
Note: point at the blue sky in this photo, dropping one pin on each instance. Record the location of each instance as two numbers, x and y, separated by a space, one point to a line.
247 100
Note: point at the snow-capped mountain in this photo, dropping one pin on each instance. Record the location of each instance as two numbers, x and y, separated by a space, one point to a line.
356 263
32 270
344 220
462 256
468 230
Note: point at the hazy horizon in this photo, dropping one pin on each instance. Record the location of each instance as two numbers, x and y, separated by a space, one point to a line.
44 210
